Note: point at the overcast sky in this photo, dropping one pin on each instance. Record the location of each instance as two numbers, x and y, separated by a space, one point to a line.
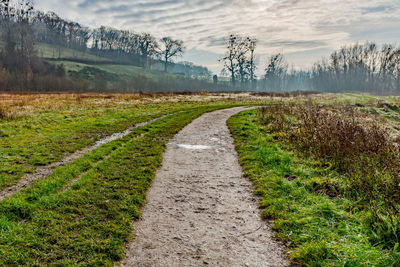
304 30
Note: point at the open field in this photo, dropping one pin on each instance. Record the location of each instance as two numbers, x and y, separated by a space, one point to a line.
37 130
323 210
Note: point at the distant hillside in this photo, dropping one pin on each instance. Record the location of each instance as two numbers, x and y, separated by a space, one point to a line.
79 62
44 52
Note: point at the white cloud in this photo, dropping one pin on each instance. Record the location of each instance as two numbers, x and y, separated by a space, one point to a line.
294 27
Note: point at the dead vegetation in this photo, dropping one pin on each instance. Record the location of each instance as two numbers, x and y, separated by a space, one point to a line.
16 105
288 94
23 104
355 144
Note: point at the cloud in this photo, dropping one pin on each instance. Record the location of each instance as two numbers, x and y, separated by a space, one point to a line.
293 27
375 9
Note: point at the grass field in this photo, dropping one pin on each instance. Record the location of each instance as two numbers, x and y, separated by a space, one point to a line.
81 214
89 223
39 137
320 209
53 53
37 130
118 70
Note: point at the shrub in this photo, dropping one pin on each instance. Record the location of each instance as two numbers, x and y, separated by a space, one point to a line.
357 145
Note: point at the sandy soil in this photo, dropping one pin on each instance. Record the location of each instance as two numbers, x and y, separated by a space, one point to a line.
201 211
45 171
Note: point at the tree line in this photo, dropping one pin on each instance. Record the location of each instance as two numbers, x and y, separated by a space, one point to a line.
139 48
359 67
22 26
20 67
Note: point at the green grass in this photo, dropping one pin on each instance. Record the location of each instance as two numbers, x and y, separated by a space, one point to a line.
89 224
55 52
70 65
46 136
131 71
119 70
318 230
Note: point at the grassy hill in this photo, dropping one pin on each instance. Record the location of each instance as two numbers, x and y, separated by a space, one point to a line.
74 61
92 71
49 51
119 70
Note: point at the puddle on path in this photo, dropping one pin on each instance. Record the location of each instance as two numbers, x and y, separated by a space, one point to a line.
194 147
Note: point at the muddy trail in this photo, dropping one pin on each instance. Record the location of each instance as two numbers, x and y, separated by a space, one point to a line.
201 211
44 171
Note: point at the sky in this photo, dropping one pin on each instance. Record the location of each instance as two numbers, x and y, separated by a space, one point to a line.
303 30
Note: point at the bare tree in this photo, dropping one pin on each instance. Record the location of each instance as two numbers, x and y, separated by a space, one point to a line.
7 14
147 47
19 39
246 59
275 73
242 48
360 67
239 60
230 58
170 49
252 44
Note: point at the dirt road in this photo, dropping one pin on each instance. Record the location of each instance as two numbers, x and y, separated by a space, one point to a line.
201 211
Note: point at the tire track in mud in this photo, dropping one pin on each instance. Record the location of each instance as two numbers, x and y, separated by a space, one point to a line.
200 209
44 171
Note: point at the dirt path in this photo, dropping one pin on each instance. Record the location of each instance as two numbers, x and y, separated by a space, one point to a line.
201 211
44 171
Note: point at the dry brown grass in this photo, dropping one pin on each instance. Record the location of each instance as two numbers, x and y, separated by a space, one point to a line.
288 94
20 105
24 104
357 145
3 112
335 132
15 105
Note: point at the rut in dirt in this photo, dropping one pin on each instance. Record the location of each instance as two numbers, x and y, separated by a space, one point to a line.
44 171
200 209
